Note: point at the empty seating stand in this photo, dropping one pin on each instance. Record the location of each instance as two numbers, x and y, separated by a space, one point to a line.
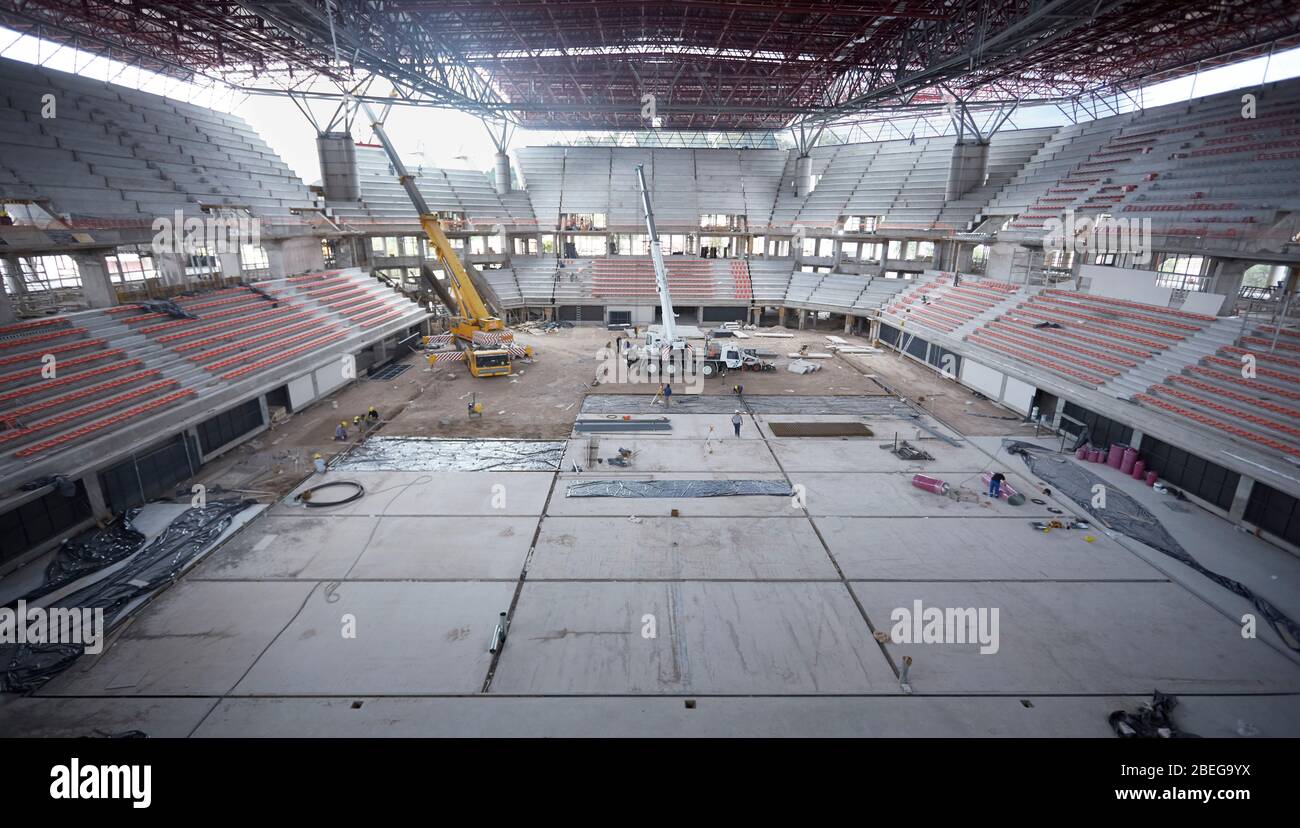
115 157
119 366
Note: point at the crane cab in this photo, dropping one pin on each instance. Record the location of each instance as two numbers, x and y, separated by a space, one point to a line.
488 362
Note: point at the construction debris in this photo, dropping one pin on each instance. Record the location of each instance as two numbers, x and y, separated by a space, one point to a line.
624 424
904 450
802 366
678 488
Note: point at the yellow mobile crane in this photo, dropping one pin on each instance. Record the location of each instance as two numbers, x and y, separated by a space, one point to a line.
487 345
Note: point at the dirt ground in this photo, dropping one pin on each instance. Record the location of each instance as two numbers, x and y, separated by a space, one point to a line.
541 399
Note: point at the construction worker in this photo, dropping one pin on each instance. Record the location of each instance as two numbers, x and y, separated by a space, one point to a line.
736 420
372 416
318 462
668 394
341 431
356 421
739 389
995 484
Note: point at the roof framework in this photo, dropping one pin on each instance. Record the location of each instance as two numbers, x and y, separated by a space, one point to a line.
679 65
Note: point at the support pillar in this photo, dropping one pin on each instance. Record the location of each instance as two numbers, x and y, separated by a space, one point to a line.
230 266
803 318
1228 276
96 286
7 312
502 170
287 257
849 319
803 177
1237 511
780 316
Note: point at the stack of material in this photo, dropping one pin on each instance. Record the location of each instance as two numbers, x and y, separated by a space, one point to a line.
802 366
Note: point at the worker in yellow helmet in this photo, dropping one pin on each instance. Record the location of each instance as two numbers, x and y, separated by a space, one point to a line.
341 431
372 416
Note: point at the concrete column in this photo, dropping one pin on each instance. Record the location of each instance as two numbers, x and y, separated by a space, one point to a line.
338 166
803 318
95 284
1245 485
230 267
780 316
1136 440
7 312
967 168
1227 278
803 179
502 168
287 257
758 315
171 268
849 319
95 495
962 259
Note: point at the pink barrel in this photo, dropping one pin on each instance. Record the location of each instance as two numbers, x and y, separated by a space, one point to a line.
1115 456
1081 453
1127 463
1095 456
1139 470
930 484
1151 478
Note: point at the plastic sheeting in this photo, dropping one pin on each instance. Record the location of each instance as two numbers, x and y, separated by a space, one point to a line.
28 666
1130 518
430 454
89 552
880 406
678 488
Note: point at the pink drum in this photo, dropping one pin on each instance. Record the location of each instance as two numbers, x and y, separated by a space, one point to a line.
930 484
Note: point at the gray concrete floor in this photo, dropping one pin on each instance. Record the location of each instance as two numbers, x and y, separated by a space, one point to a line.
739 616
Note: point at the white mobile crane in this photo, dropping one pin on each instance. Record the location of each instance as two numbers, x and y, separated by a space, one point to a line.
662 346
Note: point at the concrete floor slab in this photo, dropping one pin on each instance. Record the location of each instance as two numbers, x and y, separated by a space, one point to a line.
410 638
433 493
586 548
883 494
712 637
714 717
196 638
993 549
446 548
857 455
1117 638
61 718
279 546
722 453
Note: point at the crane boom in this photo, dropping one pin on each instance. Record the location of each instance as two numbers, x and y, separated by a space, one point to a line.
471 308
656 256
